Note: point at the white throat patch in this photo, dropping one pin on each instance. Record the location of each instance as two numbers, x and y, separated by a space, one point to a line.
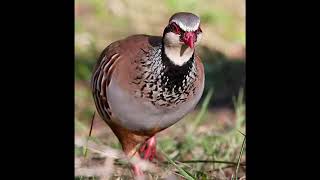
173 53
175 50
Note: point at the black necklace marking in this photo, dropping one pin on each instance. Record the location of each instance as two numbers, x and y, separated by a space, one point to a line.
163 82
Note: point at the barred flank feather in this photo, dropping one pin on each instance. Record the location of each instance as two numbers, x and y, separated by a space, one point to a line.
100 81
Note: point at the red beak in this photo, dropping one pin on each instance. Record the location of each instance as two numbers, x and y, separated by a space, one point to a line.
189 38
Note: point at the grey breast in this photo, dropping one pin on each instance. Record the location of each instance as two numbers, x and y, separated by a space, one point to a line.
136 113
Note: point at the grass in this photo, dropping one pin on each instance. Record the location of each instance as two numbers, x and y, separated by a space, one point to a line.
183 172
202 112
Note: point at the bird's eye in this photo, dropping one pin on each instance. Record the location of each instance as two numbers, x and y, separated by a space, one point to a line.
175 28
198 31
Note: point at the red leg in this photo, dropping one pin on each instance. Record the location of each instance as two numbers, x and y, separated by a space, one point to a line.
136 170
148 149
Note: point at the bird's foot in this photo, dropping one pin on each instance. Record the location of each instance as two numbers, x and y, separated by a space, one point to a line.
148 149
137 172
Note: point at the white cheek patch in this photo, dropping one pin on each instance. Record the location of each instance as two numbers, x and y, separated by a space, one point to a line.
172 39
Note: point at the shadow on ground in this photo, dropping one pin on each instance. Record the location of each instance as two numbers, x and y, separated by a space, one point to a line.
225 75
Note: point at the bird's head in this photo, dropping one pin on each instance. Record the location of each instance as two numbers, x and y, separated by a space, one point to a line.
182 34
183 29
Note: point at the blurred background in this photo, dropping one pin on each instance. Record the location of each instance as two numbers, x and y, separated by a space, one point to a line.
208 143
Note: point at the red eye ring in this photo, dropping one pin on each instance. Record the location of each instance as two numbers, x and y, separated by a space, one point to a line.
175 28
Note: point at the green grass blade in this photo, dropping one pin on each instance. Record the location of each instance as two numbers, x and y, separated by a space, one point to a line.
204 108
86 148
240 155
240 108
183 172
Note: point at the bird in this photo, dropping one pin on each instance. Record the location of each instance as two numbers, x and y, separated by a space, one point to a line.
143 84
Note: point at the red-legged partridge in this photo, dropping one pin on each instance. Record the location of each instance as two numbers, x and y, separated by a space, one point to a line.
144 84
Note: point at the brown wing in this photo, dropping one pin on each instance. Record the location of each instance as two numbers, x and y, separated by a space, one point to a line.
200 69
101 78
117 62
